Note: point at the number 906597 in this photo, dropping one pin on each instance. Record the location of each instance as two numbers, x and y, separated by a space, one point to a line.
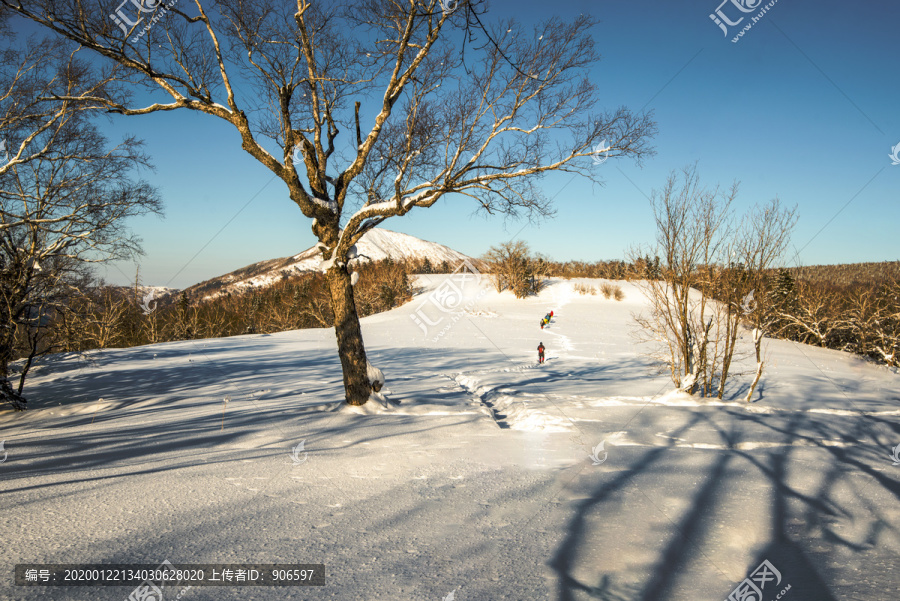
292 575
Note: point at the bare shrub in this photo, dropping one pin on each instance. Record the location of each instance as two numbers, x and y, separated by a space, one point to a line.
585 289
711 277
513 267
607 289
618 294
693 227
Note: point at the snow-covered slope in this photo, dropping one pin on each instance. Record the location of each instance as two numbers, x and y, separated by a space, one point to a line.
376 245
496 478
379 244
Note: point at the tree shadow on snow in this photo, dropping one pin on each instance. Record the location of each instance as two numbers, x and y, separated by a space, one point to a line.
822 482
152 420
825 473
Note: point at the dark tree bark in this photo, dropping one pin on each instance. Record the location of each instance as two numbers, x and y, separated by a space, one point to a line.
349 336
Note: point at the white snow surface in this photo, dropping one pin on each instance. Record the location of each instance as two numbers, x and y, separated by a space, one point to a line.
480 482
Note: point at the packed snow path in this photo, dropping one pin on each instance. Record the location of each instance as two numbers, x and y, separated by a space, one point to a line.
133 456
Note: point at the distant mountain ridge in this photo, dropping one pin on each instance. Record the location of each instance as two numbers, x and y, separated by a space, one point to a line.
376 245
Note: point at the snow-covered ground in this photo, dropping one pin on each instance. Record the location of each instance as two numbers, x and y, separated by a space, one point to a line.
480 484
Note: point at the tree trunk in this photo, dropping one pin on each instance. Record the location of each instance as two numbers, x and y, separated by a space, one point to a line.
7 351
732 324
349 336
7 393
757 344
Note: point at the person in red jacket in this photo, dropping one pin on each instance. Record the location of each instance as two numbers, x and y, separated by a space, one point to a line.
541 353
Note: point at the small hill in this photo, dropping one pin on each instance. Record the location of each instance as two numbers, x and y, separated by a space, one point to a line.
376 245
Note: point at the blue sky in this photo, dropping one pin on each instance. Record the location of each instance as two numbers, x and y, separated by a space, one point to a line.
806 106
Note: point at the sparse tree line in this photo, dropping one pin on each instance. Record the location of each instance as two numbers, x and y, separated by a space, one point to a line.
513 266
513 261
848 274
426 265
731 265
102 316
861 318
640 268
717 277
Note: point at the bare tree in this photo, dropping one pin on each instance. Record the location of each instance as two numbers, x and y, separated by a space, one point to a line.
109 310
693 229
513 267
714 279
64 195
729 286
507 263
386 105
764 237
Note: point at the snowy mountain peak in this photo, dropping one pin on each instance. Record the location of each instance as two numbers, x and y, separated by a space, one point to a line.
376 245
379 244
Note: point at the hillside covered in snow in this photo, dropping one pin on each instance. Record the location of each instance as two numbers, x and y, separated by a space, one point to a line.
376 245
483 475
